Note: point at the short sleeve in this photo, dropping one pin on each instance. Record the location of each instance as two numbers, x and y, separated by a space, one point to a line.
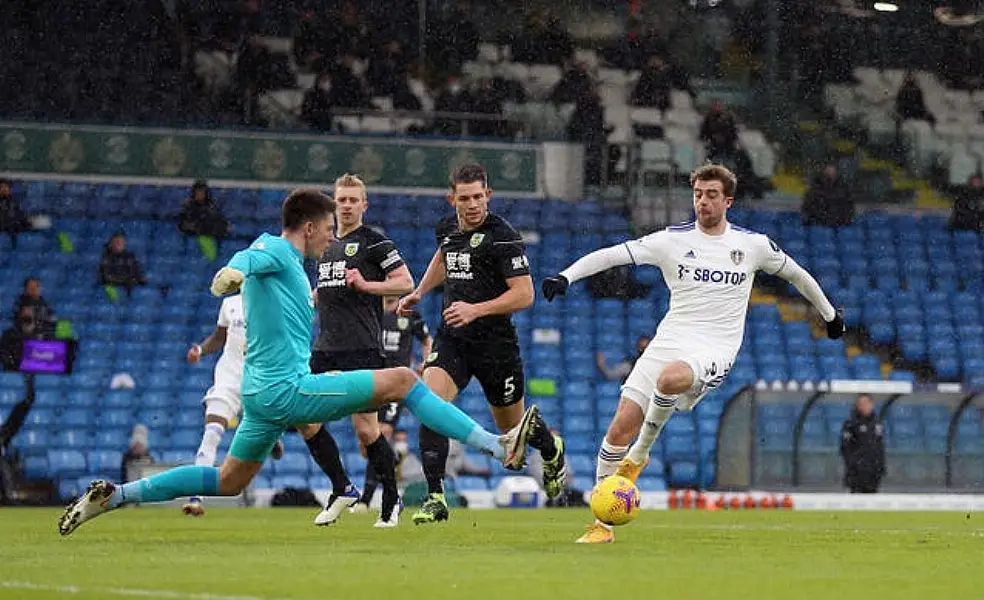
445 227
510 254
649 250
385 254
224 320
771 257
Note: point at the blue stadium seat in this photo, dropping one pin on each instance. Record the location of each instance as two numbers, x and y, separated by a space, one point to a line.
111 439
66 463
293 464
684 474
73 438
104 461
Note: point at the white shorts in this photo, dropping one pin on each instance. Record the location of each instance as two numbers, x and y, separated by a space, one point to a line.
224 402
709 371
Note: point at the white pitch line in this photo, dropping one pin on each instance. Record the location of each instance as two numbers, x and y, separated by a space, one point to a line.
116 591
792 528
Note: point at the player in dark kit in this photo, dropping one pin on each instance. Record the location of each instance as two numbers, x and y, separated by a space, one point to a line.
398 335
481 261
354 274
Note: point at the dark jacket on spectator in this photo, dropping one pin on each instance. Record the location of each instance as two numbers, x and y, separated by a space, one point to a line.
828 203
863 450
120 267
909 103
575 83
968 207
42 312
719 132
200 215
347 90
316 109
12 218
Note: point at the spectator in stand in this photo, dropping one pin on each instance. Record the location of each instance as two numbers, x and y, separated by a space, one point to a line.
387 69
828 202
347 89
31 297
968 206
655 82
25 327
719 132
587 126
575 83
453 40
13 221
316 108
620 370
200 215
909 103
487 102
863 448
119 267
454 98
542 41
137 454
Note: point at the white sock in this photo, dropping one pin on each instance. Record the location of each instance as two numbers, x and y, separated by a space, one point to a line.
608 458
660 410
210 445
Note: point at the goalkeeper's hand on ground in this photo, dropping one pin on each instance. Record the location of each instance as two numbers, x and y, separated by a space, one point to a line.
554 286
227 281
835 326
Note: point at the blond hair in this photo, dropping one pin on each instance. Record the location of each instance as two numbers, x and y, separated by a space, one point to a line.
349 180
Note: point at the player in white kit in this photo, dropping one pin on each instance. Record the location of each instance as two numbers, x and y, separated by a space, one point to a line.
222 401
709 266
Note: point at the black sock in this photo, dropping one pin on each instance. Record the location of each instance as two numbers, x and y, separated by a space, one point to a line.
543 440
372 481
383 462
434 449
325 452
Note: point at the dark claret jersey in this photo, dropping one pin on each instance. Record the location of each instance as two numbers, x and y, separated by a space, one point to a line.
398 335
350 320
477 264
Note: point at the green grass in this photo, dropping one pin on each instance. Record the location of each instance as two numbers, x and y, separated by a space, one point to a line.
277 553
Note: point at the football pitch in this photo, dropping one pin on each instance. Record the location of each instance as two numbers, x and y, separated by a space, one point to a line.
265 554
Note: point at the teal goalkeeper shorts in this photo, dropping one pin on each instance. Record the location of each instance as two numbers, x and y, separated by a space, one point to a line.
311 399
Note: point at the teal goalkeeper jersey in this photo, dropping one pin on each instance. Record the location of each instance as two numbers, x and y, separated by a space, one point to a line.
279 312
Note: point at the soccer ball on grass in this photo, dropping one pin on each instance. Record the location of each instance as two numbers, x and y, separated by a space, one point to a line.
615 500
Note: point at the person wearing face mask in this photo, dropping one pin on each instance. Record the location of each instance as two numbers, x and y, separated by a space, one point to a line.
620 370
12 342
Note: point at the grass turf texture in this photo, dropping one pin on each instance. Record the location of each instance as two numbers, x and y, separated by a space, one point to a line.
277 553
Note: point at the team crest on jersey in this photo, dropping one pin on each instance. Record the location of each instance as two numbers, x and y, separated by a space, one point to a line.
351 249
476 239
402 323
737 256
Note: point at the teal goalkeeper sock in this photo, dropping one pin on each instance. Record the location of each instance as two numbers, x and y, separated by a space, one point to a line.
446 419
189 480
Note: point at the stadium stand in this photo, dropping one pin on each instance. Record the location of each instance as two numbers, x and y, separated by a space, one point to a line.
878 268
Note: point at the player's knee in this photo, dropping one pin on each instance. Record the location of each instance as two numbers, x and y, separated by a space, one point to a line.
397 384
675 379
308 431
625 424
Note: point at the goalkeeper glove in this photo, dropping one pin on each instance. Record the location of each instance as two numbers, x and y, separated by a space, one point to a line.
227 281
554 286
835 326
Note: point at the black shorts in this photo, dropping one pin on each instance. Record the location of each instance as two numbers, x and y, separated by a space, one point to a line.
390 414
349 360
497 366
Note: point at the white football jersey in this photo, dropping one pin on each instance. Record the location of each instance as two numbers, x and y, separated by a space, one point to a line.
229 367
710 280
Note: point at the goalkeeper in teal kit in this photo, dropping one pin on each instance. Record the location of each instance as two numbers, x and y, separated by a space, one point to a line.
278 389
